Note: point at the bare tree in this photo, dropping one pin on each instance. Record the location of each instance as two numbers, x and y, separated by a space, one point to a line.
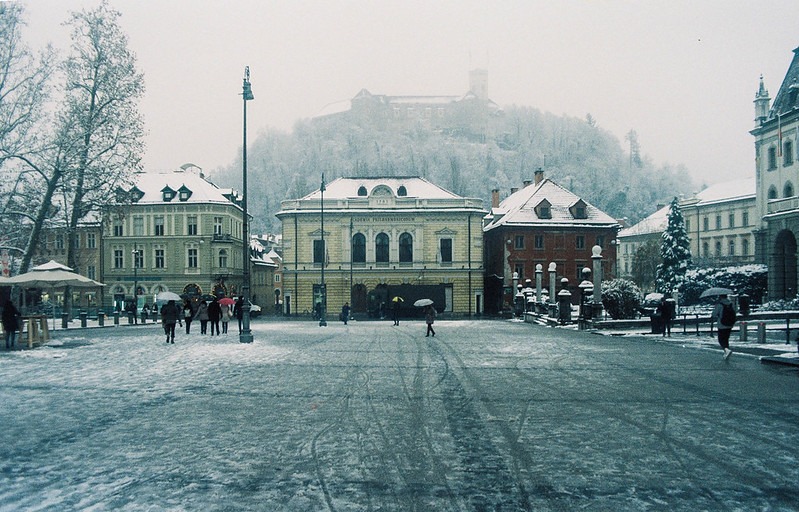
101 127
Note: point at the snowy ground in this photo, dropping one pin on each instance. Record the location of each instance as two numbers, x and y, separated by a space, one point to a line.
488 415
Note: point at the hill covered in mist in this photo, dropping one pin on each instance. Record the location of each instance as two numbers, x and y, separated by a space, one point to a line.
478 156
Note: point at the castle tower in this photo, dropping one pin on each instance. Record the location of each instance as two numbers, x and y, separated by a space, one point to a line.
478 83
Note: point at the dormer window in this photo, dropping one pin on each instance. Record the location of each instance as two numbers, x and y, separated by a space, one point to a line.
136 194
361 191
184 193
579 210
544 209
402 191
168 194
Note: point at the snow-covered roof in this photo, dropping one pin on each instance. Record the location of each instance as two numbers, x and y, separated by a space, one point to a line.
520 208
153 184
655 223
414 187
728 190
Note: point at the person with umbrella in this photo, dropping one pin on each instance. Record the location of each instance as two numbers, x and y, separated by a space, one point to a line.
226 305
169 317
10 323
724 316
429 318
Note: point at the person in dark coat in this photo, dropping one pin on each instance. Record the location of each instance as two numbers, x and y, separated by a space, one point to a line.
429 318
395 310
666 310
169 317
214 315
238 310
345 313
724 328
11 319
188 315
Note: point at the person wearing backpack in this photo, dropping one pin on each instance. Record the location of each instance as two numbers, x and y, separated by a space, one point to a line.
724 316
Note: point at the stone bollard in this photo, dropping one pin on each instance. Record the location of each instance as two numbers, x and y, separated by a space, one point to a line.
64 320
116 317
100 318
761 332
743 332
83 318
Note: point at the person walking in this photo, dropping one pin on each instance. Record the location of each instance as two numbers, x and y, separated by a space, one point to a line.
169 317
238 310
429 318
202 316
188 314
724 316
345 313
214 315
226 314
666 311
11 319
395 310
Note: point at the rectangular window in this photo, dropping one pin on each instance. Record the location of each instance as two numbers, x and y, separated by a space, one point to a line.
138 258
705 224
718 249
192 259
518 268
159 260
119 259
539 241
731 249
118 231
59 241
745 218
600 240
732 220
277 278
446 250
191 225
318 252
718 221
772 158
745 247
579 242
688 225
138 226
158 225
91 241
91 272
217 225
518 242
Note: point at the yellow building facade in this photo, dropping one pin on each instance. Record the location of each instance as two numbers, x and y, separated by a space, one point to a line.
382 238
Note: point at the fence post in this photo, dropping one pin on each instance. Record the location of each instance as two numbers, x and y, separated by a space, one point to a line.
743 331
787 330
697 323
761 332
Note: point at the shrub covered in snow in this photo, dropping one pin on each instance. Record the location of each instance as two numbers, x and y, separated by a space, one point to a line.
751 280
621 298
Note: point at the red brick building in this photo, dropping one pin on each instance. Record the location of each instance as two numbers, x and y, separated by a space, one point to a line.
542 223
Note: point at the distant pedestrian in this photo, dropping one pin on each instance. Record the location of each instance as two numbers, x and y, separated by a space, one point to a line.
226 314
345 313
170 314
145 313
11 322
188 314
429 318
214 315
202 316
131 310
238 310
724 317
666 311
395 309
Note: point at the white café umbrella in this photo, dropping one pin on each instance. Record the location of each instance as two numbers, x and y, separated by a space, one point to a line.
164 297
51 275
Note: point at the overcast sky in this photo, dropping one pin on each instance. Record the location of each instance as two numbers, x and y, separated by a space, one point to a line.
683 74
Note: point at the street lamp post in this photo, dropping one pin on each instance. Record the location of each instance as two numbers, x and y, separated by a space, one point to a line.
135 254
245 336
322 290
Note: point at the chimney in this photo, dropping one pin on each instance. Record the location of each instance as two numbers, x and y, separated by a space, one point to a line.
539 175
495 198
527 183
513 190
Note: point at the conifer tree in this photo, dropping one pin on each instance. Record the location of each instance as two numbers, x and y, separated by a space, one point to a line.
675 251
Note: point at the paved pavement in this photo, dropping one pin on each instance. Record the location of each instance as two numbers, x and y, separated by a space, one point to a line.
487 415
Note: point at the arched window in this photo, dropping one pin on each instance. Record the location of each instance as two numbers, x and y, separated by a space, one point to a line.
406 248
381 248
772 192
402 191
787 190
223 258
361 191
358 248
706 249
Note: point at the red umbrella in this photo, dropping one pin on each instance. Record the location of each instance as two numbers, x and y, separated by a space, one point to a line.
227 301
